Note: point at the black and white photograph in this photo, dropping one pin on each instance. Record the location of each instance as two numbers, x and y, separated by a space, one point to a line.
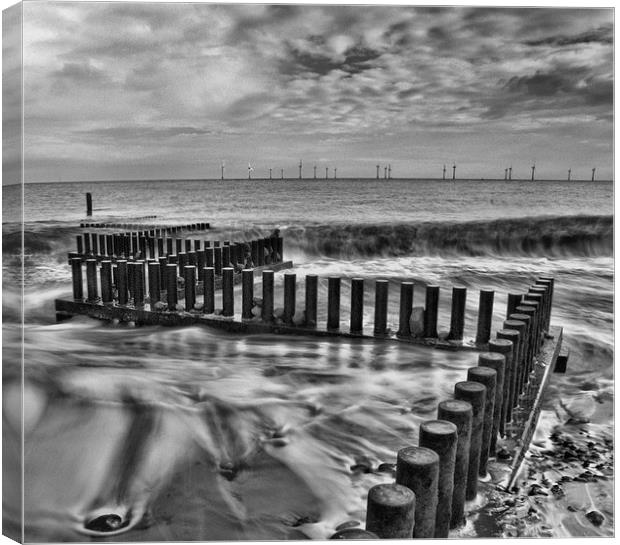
286 271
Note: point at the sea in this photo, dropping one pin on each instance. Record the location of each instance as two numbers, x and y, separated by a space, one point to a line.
195 434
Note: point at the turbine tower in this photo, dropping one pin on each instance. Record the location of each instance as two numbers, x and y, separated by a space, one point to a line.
222 167
250 169
326 175
505 174
300 165
377 172
510 172
389 172
385 173
569 170
444 172
593 171
533 171
335 172
315 172
270 174
453 171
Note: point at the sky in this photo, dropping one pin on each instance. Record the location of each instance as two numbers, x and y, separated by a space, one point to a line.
158 91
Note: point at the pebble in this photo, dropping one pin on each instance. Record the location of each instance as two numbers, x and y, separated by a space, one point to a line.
595 518
386 467
105 523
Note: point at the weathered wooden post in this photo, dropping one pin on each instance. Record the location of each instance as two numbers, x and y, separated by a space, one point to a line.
169 244
121 281
548 283
228 294
189 273
510 378
475 394
89 204
290 286
460 413
485 316
312 281
208 285
514 300
151 248
91 279
504 347
106 282
76 275
140 281
226 255
488 378
95 244
182 257
536 300
254 252
160 247
247 295
179 245
406 306
390 511
442 437
357 305
154 283
430 312
267 313
261 251
171 286
191 258
529 311
109 243
87 250
496 360
102 246
381 305
525 342
543 293
80 245
417 468
188 245
210 257
521 328
457 318
333 303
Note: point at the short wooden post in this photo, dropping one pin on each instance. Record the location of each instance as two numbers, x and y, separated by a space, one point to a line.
171 286
519 323
290 286
406 306
200 260
460 413
106 282
529 311
543 292
475 394
504 347
261 252
381 306
485 316
430 312
226 262
548 284
151 248
536 300
417 468
109 244
121 281
191 258
160 247
510 377
228 294
182 257
390 511
488 378
142 246
169 244
80 245
208 285
254 251
87 250
189 274
179 245
154 283
188 245
76 275
247 299
197 245
95 244
333 303
217 253
102 245
514 300
312 281
357 305
457 317
442 437
267 313
139 279
210 257
91 279
89 204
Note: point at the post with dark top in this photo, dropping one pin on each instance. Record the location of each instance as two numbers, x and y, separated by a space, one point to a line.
208 284
333 303
357 305
190 287
485 316
510 377
406 306
536 300
457 318
442 437
390 511
91 279
154 283
80 244
228 294
109 244
514 300
519 322
540 293
488 378
475 394
106 282
460 413
261 251
160 247
267 314
504 347
548 283
102 246
417 468
217 254
529 311
121 281
87 250
139 280
312 281
430 312
171 286
496 360
254 252
247 296
210 257
169 249
226 255
89 204
290 286
76 274
182 263
381 306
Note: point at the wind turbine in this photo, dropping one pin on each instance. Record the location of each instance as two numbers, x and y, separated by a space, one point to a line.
533 171
593 171
222 167
250 169
454 170
377 172
510 172
270 174
569 171
444 172
315 172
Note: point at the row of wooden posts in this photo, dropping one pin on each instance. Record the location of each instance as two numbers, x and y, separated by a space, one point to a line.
435 478
152 246
200 226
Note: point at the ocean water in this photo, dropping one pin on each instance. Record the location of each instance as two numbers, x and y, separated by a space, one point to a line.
195 434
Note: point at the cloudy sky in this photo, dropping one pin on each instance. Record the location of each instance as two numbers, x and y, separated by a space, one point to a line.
131 91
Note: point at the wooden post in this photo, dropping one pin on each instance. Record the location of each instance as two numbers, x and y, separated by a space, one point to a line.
154 283
488 378
139 280
417 468
475 394
208 285
226 262
171 286
442 437
333 303
430 312
228 294
106 282
76 274
312 281
182 263
169 243
87 250
267 313
191 258
189 273
390 511
210 257
200 260
529 311
357 305
217 253
460 413
290 280
536 300
406 306
485 316
543 292
547 283
510 376
121 281
261 252
247 279
381 305
504 347
457 318
109 243
179 245
254 250
151 248
102 246
91 279
160 247
514 300
89 204
188 245
95 244
520 325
